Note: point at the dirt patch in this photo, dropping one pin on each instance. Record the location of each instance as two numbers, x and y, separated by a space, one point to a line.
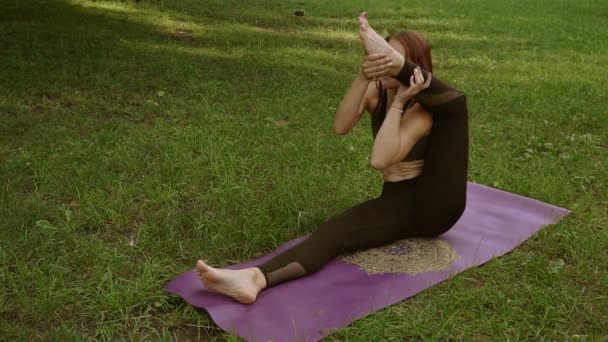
182 35
143 116
187 332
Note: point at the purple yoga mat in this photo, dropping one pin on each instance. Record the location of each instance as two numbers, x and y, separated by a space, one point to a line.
308 308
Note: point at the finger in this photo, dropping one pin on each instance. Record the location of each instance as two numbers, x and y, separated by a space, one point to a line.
418 75
379 75
377 68
383 72
428 80
412 81
377 65
375 56
378 62
414 74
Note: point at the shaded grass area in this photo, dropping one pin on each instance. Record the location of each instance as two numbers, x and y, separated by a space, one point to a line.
137 137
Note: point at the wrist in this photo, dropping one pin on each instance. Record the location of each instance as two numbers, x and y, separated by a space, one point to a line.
361 77
398 102
403 98
397 108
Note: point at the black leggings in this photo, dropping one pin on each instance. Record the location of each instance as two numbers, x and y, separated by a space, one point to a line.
425 206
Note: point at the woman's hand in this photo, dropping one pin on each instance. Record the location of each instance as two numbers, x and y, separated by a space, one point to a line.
376 65
417 83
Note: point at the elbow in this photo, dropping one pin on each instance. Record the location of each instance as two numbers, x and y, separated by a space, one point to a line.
340 130
378 164
381 163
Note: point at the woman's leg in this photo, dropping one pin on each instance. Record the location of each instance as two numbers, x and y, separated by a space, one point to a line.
440 199
442 189
368 224
443 183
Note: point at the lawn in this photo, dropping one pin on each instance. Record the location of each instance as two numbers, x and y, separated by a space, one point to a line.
136 137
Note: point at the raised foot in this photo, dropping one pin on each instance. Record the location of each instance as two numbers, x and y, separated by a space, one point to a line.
375 43
242 285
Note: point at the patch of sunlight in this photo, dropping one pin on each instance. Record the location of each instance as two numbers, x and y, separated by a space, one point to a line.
233 53
239 28
253 28
384 26
463 37
108 6
341 21
333 34
481 62
307 52
541 62
570 57
435 23
228 28
415 24
146 15
306 58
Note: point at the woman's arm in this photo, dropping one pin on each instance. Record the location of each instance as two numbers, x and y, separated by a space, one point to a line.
399 133
352 106
354 103
388 140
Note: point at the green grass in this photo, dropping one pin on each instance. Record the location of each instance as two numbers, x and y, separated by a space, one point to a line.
127 151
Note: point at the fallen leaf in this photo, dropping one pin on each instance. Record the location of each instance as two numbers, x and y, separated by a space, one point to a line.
280 123
182 35
557 265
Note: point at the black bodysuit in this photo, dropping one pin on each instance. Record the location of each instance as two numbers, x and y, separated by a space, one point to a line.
424 206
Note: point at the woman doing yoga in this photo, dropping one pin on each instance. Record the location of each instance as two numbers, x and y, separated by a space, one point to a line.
420 129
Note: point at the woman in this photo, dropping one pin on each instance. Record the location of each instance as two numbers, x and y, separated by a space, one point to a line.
420 126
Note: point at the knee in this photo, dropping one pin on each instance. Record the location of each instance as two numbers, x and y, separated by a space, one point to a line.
440 224
459 209
456 211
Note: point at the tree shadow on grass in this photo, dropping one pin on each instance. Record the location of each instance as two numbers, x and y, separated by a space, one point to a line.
66 65
103 56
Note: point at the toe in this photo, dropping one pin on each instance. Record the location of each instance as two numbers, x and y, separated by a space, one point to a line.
363 20
201 266
247 299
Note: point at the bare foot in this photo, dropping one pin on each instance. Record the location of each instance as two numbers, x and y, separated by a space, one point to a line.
242 285
375 43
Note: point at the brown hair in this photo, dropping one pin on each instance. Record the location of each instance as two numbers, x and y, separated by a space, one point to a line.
417 48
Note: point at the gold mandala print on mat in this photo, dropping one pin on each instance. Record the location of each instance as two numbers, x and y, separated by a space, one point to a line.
411 256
